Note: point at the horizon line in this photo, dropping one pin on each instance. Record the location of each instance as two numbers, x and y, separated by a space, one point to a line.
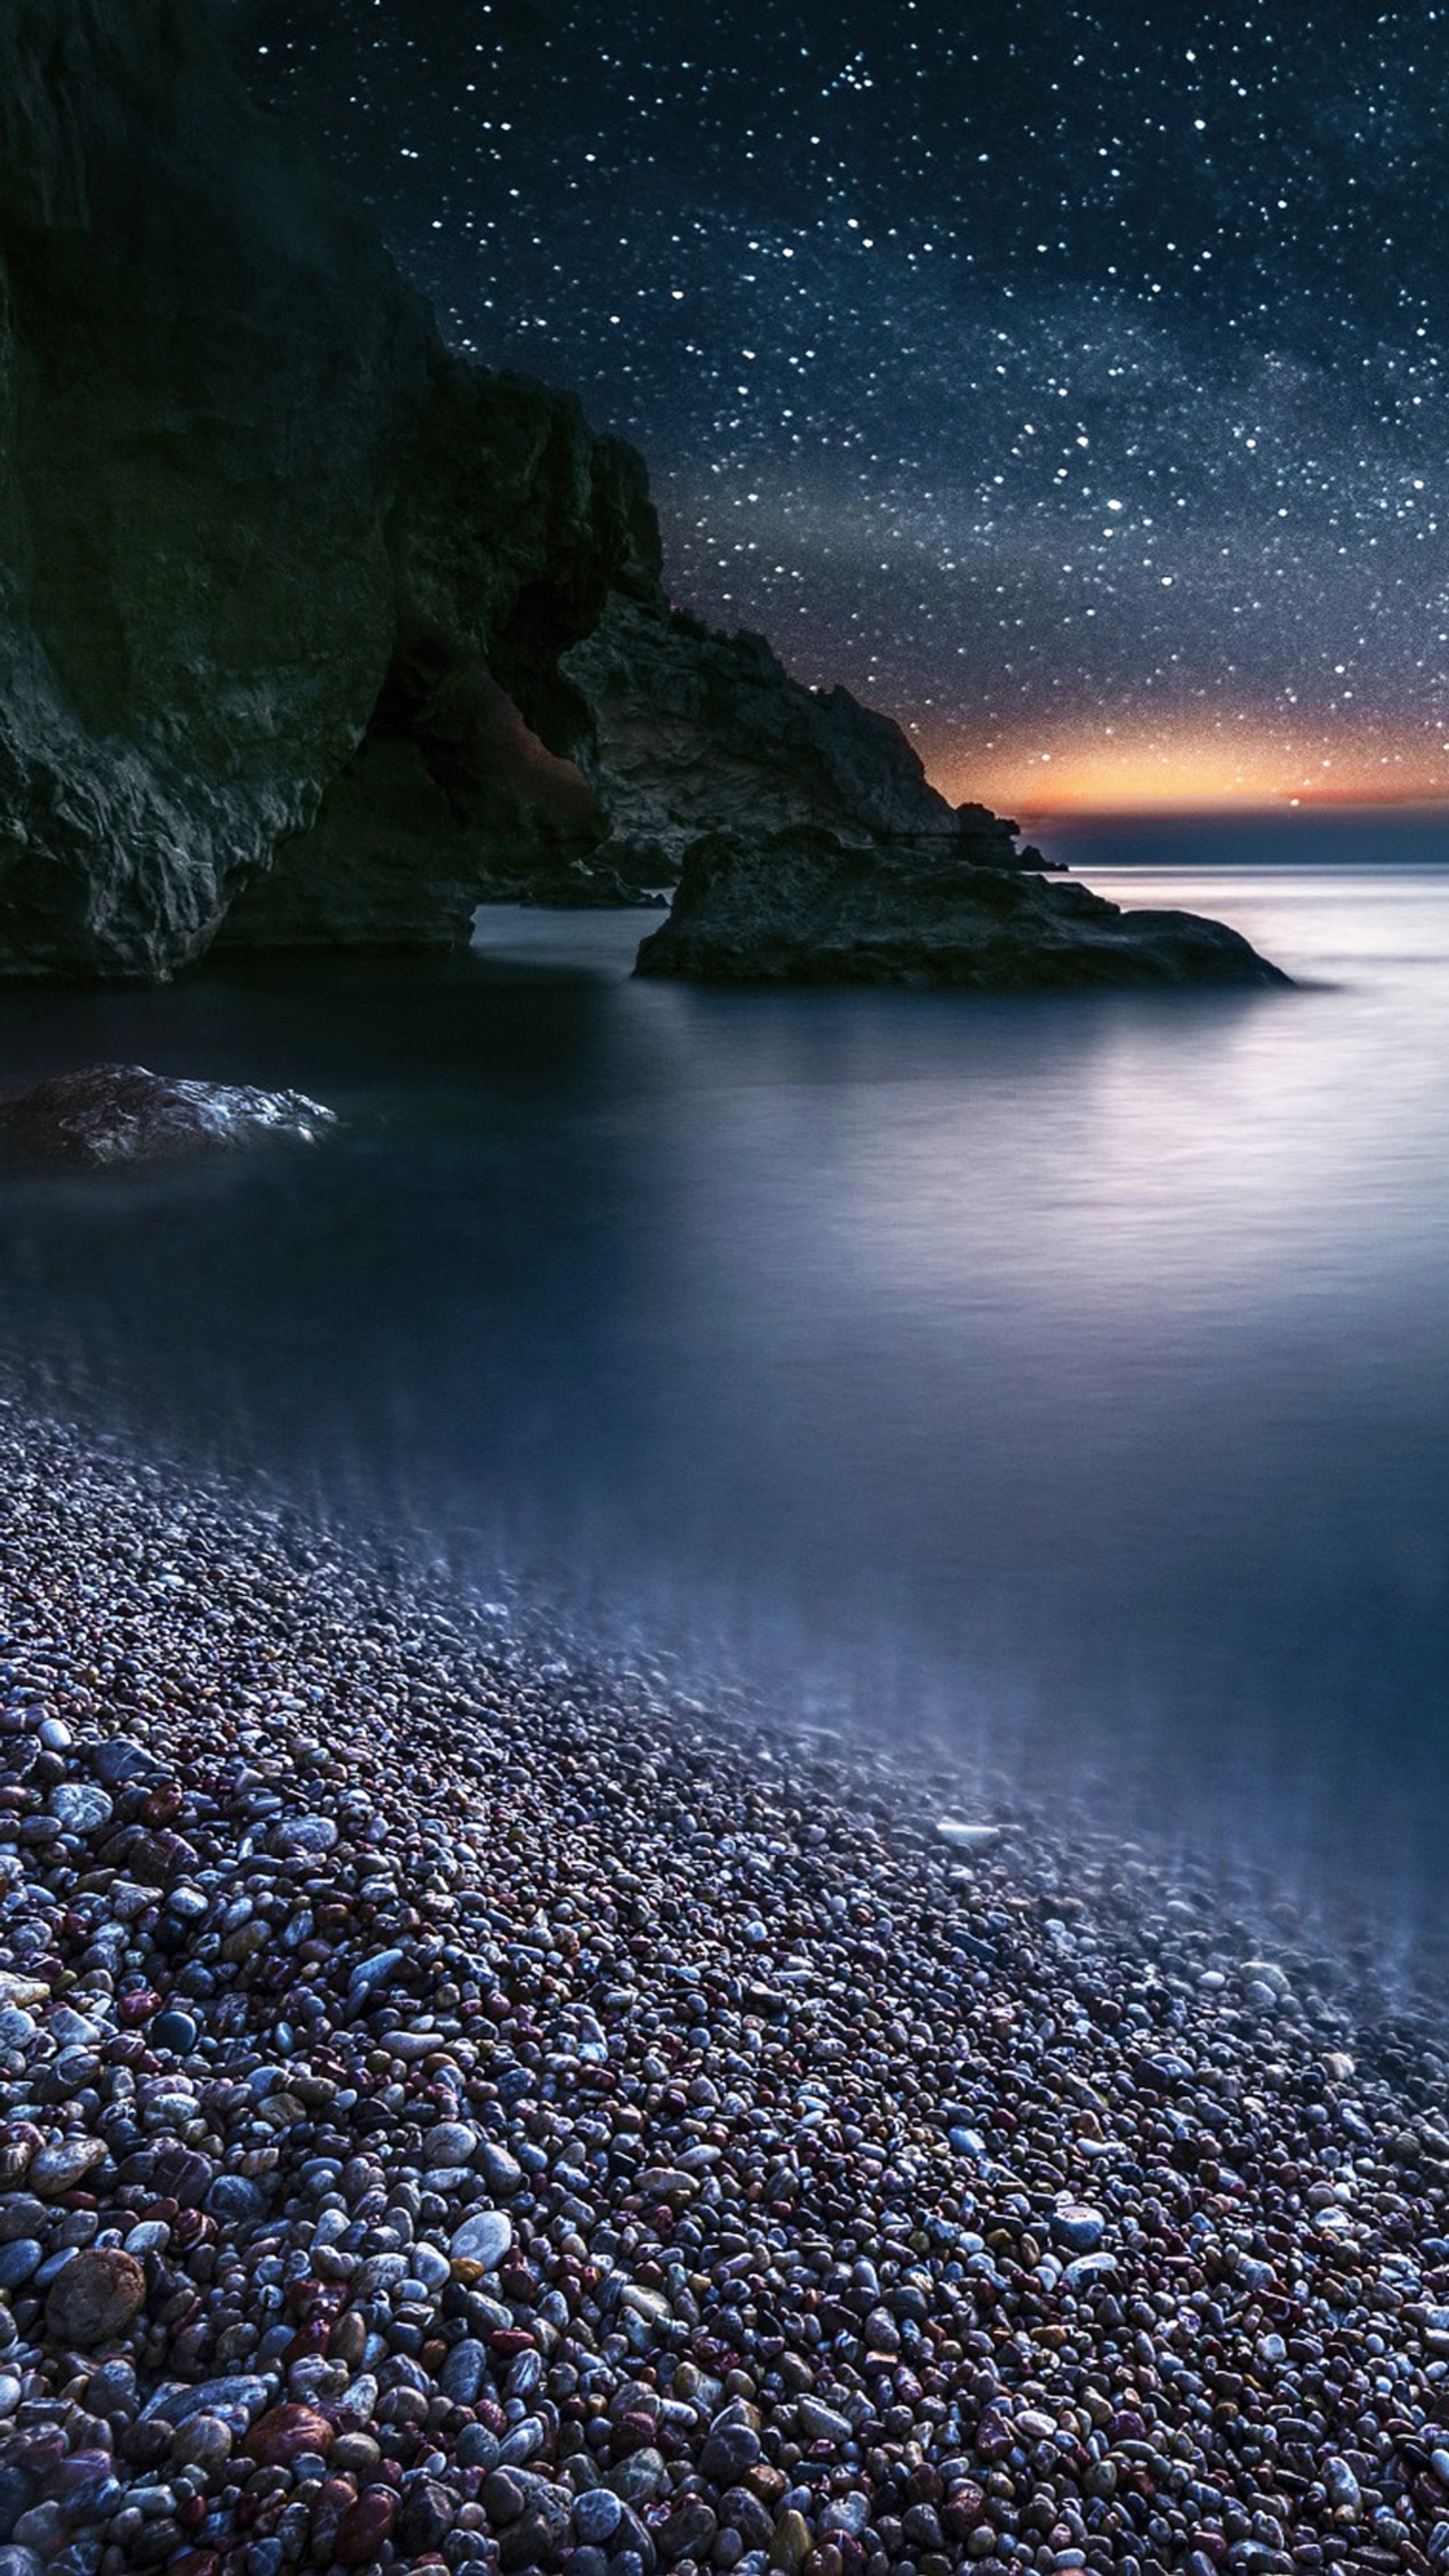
1036 817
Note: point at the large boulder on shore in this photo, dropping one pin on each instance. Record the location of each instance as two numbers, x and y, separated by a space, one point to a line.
283 588
110 1114
800 907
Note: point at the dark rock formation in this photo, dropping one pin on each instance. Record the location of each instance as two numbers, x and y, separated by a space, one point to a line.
310 633
120 1113
692 732
800 907
282 589
510 520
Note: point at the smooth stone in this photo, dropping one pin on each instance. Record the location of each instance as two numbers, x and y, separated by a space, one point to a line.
597 2515
729 2451
847 2513
692 2529
501 2171
639 2478
17 2494
821 2423
355 2452
478 2448
792 2542
1087 2268
175 2031
284 2433
60 2167
521 2445
370 1974
464 2371
1080 2228
96 2297
79 1806
18 2260
365 2526
427 2514
483 2239
236 2400
452 2142
119 1759
205 2442
235 2199
70 2029
298 1834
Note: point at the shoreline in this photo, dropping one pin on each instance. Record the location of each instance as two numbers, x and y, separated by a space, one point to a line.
463 2110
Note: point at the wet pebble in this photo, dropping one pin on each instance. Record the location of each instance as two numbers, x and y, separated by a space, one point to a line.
95 2297
458 2107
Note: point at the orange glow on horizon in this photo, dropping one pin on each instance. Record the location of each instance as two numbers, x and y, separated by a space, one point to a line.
1186 767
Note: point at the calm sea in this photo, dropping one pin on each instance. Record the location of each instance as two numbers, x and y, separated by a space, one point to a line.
1070 1375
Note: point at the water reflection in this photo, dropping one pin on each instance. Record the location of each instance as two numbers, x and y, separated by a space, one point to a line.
1071 1375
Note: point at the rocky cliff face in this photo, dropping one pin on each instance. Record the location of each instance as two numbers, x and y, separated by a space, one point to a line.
511 520
282 589
690 732
308 632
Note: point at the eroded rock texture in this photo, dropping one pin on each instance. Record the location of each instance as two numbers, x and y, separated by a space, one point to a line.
112 1114
309 633
802 908
282 588
692 732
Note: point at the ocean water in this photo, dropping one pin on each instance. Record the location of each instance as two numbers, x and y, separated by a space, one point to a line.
1066 1376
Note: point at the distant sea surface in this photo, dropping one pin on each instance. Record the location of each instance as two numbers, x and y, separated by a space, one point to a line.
1069 1376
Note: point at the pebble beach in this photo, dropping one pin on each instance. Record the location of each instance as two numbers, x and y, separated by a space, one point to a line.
463 2109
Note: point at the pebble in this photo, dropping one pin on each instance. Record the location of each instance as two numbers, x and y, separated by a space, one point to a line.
483 2239
174 2030
451 2143
81 1806
597 2514
887 2191
502 2172
96 2297
60 2167
1073 2224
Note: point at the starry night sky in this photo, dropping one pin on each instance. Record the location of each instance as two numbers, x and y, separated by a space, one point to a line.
1070 380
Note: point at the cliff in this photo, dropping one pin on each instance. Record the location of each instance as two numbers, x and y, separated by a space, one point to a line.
310 633
690 732
282 588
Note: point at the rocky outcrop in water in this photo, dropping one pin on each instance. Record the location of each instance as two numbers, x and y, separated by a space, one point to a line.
122 1114
309 633
800 907
691 732
282 588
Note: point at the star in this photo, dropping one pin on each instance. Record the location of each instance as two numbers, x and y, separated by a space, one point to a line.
1068 376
